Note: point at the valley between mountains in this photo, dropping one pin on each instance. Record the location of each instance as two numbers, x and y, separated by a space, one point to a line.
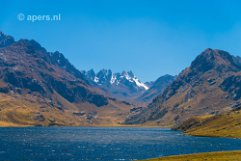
42 88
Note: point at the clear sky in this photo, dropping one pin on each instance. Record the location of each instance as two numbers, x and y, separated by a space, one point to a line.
149 37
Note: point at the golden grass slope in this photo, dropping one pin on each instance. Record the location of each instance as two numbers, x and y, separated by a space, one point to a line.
227 124
224 125
212 156
17 110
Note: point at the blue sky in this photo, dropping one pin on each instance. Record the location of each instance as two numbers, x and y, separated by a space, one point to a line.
149 37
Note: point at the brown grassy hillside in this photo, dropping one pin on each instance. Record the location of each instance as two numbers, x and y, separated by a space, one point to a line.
223 125
26 111
212 156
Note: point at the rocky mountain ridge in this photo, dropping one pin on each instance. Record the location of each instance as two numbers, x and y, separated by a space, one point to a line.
124 85
46 89
211 85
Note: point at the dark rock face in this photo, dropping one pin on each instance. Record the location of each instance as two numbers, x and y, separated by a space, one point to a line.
39 117
58 59
232 85
209 86
136 109
203 62
77 93
5 40
18 80
169 91
27 68
215 59
104 77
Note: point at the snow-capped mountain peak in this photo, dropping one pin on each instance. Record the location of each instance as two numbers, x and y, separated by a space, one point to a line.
140 84
113 78
126 82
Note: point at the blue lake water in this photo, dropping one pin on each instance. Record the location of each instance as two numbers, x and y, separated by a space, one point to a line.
103 144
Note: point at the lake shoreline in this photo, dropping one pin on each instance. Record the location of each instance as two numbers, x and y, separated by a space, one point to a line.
124 126
116 142
206 155
110 126
218 155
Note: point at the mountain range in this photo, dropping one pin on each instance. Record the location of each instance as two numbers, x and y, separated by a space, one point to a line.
38 87
123 85
210 86
126 85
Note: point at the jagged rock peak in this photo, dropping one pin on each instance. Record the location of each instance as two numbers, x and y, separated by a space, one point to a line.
5 40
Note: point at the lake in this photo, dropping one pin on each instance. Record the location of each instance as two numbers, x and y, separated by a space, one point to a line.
101 143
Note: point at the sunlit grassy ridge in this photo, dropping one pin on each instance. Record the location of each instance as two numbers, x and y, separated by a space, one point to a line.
224 125
212 156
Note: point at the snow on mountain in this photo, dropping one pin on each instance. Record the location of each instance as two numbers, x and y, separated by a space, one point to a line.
108 77
125 84
140 84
